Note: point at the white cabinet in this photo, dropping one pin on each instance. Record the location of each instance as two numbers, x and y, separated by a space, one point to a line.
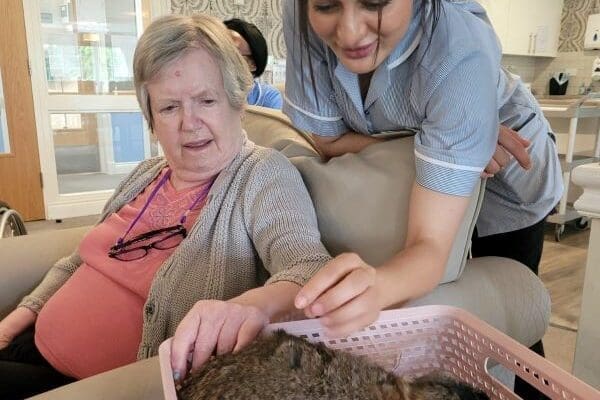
533 27
497 11
526 28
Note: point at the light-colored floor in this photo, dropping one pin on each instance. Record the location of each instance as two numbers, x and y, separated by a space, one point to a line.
559 345
561 270
40 226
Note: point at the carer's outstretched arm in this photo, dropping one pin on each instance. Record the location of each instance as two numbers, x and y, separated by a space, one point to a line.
348 294
350 142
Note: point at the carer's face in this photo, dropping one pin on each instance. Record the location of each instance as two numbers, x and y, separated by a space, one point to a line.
196 126
350 29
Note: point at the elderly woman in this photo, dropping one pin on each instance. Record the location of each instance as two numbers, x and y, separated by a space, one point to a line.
185 242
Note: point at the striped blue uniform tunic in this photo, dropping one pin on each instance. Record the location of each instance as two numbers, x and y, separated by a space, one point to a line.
264 95
448 87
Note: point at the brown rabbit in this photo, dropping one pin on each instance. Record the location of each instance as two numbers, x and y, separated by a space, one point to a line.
282 366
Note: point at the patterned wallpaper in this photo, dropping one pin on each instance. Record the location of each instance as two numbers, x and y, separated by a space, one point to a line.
266 14
574 18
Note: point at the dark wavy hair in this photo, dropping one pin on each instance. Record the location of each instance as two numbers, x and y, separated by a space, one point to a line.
256 42
429 21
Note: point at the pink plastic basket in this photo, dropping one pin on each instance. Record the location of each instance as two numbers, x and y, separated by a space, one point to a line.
419 340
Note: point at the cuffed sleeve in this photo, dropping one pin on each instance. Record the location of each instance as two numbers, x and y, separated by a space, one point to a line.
460 131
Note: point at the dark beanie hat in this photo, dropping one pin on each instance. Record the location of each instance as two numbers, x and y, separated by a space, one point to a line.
255 39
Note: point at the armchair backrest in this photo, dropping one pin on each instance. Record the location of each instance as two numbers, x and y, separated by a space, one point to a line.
361 199
24 260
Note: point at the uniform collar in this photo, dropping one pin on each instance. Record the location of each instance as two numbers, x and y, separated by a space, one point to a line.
409 43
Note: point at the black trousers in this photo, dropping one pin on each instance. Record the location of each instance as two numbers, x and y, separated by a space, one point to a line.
524 245
24 372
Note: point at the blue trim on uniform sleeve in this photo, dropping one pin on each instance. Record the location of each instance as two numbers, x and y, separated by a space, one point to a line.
444 179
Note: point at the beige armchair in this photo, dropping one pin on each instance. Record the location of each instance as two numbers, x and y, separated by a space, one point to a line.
367 218
24 261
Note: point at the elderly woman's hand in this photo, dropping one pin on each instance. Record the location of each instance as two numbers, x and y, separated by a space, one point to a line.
4 340
343 294
213 327
15 323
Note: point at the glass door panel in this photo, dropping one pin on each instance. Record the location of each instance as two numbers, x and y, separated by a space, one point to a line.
4 138
88 45
88 50
95 151
93 132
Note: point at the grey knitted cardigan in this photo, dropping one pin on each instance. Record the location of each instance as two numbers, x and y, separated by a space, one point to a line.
258 221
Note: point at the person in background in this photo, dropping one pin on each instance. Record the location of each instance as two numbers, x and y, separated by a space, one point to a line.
356 68
252 45
209 243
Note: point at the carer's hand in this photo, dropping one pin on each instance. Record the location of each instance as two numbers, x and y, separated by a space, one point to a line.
510 144
343 294
213 326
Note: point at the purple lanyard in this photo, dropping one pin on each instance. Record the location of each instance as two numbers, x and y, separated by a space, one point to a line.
201 196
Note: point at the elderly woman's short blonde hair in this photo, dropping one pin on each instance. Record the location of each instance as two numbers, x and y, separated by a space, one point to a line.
170 37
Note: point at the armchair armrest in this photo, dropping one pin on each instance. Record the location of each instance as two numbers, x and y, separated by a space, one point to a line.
24 260
140 380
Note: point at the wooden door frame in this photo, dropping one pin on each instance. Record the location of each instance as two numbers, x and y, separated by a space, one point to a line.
21 121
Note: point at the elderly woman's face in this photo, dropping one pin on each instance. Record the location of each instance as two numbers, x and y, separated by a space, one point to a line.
196 126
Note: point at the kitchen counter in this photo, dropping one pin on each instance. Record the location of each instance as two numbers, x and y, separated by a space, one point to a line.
572 108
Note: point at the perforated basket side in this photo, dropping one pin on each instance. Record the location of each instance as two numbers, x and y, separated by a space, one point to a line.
416 341
419 340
